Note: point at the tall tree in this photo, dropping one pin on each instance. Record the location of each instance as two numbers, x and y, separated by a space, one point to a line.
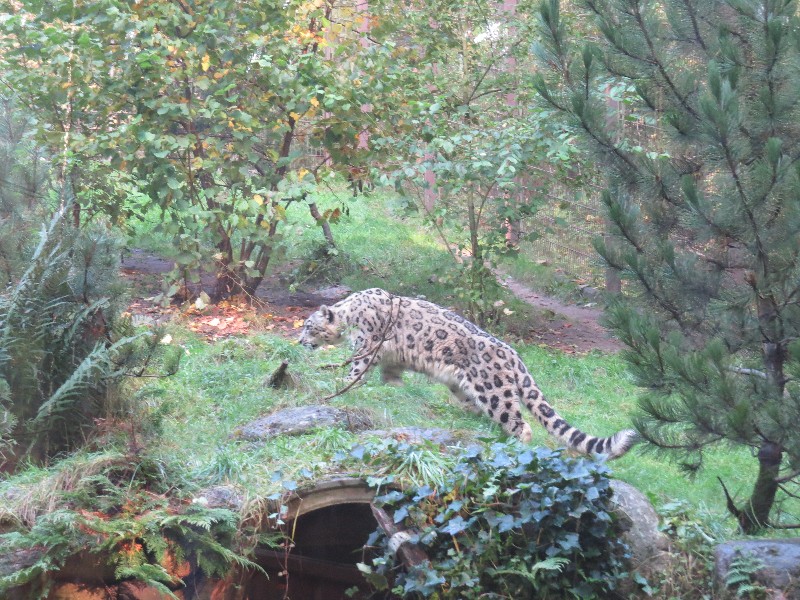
455 116
705 216
199 105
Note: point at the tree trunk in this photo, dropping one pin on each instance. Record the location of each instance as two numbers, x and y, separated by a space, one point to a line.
229 282
755 515
476 266
326 227
227 285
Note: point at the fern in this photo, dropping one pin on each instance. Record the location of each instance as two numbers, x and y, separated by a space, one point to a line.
63 346
8 421
554 563
151 575
95 367
121 513
740 574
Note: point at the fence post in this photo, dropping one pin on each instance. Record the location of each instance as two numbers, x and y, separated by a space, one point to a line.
613 281
512 226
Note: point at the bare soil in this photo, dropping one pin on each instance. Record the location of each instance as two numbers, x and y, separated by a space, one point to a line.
574 329
273 308
570 328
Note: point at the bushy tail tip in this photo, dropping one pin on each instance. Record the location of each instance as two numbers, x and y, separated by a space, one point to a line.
623 441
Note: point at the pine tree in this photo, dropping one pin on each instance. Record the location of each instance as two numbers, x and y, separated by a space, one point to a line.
703 216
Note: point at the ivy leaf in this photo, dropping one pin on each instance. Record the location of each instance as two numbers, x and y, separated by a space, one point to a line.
506 523
454 526
592 493
400 514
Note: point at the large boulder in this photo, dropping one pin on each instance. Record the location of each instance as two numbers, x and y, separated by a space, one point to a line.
302 419
780 558
639 521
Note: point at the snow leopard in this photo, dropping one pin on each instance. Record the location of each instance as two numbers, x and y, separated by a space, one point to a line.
486 375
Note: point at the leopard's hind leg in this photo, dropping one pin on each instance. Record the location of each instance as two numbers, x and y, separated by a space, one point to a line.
497 405
391 373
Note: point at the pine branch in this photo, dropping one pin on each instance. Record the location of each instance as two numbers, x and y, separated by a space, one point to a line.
731 505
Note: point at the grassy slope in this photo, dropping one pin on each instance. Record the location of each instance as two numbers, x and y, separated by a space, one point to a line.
221 387
379 245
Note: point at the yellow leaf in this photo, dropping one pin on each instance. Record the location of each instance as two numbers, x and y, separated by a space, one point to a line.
205 62
302 173
295 116
298 323
314 102
259 199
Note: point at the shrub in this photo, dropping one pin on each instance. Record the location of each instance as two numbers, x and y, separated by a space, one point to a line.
64 345
125 510
511 522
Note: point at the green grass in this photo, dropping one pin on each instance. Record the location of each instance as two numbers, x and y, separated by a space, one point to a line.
221 386
143 233
379 244
595 393
382 244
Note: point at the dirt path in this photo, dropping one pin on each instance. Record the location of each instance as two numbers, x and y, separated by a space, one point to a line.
571 328
566 327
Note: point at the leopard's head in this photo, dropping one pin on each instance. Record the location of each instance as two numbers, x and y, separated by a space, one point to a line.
321 327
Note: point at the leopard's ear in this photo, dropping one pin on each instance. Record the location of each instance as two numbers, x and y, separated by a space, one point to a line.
327 313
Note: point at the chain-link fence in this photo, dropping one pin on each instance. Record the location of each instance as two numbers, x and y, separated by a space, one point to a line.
570 214
568 218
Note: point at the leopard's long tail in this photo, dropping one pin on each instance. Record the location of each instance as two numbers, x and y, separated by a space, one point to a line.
613 446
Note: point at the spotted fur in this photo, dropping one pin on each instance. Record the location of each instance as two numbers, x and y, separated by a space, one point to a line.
486 375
